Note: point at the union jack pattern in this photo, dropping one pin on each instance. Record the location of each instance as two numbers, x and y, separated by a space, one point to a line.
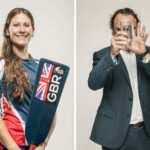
44 81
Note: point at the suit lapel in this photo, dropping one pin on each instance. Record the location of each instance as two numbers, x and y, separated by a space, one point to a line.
138 70
123 69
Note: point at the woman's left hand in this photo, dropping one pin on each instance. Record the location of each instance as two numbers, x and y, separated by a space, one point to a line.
42 146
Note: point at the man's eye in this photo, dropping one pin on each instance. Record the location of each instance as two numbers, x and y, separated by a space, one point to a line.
118 29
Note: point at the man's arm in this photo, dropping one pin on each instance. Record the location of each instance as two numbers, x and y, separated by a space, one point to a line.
102 67
146 64
104 64
5 138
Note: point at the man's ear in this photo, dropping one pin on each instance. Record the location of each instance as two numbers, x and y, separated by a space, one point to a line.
7 32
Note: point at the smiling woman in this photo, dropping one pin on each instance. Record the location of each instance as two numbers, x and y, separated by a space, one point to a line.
20 31
18 71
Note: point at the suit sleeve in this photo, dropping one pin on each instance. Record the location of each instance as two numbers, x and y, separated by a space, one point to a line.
103 66
146 66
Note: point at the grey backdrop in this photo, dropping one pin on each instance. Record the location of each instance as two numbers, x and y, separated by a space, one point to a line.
93 33
53 39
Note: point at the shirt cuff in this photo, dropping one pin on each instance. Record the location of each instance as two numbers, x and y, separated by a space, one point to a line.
146 60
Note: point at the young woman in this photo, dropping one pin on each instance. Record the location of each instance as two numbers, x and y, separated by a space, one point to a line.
17 76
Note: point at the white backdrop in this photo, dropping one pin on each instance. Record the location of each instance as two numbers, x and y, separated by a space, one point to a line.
93 33
53 39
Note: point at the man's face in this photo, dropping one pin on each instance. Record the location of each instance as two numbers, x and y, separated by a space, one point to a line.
123 18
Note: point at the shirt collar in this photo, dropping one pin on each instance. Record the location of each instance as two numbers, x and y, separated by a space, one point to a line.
127 52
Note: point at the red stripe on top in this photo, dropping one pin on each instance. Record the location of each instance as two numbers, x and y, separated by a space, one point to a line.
37 59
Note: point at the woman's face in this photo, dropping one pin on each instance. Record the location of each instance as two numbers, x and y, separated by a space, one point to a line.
20 30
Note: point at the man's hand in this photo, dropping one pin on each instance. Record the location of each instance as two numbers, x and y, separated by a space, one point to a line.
119 41
137 44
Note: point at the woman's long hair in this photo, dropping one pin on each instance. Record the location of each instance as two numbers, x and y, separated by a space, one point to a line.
13 70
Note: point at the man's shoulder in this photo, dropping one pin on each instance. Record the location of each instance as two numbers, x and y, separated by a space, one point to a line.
101 52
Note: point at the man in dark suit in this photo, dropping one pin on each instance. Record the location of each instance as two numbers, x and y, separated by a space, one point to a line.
123 70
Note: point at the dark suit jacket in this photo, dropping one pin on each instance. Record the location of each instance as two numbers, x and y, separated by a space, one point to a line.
114 113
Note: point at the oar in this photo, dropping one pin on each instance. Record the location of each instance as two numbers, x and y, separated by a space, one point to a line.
50 80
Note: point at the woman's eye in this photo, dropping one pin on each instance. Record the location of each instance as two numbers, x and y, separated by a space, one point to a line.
15 25
26 25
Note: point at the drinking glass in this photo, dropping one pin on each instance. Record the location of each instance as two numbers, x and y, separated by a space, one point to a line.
126 26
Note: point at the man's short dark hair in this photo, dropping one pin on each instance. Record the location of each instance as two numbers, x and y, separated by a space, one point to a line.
124 11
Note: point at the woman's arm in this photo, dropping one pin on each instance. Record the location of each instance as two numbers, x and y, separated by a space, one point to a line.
5 137
44 144
51 130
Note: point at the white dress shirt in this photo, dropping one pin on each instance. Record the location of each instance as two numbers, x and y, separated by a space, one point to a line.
131 65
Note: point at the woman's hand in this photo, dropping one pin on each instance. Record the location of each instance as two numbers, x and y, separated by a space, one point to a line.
42 146
14 148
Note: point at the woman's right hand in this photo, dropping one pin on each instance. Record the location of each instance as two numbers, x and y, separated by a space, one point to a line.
15 147
5 138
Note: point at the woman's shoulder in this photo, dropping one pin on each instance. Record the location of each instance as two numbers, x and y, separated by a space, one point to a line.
33 58
2 62
36 60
